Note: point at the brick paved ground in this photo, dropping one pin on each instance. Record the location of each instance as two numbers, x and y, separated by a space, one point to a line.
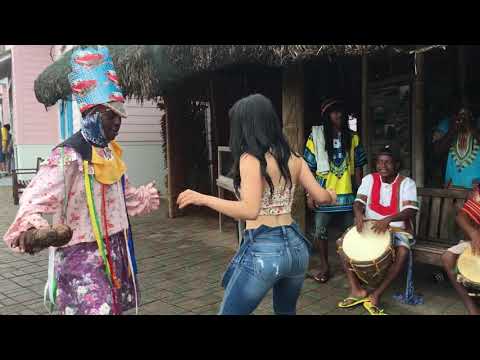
181 262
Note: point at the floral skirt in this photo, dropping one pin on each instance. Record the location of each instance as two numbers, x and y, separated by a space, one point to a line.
83 287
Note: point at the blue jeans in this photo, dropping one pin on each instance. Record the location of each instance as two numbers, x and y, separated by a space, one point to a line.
268 258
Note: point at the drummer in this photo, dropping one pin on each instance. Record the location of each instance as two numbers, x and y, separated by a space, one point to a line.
389 199
468 219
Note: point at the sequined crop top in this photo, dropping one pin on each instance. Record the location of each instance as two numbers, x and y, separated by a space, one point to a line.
278 204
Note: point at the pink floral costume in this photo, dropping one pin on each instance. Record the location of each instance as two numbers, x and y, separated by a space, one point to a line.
82 284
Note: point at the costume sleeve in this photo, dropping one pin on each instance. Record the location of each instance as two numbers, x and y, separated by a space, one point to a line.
141 200
359 155
408 195
44 195
364 190
309 154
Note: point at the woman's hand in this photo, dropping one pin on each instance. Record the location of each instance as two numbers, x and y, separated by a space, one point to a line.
310 202
190 197
333 195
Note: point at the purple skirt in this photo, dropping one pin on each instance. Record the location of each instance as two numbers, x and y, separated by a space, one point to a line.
83 287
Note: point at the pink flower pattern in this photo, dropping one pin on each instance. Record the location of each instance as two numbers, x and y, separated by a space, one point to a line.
45 195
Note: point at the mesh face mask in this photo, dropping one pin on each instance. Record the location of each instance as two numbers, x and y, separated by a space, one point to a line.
92 129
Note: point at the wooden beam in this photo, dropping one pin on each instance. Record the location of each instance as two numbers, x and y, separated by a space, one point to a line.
213 123
293 114
462 74
176 158
364 120
419 122
169 146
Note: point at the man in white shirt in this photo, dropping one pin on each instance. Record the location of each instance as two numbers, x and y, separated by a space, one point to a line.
389 199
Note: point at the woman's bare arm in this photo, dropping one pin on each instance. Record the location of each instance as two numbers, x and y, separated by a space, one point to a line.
311 186
247 208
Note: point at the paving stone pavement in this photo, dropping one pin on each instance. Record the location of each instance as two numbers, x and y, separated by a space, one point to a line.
181 262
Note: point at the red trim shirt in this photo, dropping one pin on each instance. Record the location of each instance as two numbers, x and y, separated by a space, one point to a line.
383 199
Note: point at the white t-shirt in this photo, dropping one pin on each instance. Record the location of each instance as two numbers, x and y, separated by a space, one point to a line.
407 197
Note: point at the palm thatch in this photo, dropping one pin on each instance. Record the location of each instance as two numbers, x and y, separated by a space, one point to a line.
142 70
199 58
147 71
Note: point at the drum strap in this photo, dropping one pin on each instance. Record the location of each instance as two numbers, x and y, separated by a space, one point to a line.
357 273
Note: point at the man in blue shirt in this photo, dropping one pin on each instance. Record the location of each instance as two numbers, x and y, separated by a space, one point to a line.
459 137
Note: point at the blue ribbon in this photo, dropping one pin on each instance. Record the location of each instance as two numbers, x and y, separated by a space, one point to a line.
409 297
130 236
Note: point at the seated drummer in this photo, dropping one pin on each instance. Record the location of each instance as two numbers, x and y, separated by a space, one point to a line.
390 200
468 219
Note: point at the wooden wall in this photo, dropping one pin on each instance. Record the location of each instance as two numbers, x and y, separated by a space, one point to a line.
222 89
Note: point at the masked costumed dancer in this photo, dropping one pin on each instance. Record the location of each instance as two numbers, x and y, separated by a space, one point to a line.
84 185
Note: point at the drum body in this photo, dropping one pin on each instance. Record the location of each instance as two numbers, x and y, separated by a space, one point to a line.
369 255
468 267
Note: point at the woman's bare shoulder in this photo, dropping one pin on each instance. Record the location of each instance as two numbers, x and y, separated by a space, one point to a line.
248 160
295 164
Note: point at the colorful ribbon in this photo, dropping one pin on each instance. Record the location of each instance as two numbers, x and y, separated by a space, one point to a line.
94 218
409 297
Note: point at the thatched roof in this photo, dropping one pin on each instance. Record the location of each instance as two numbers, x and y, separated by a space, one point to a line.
142 71
147 71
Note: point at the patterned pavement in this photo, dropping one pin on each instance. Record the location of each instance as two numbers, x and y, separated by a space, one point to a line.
181 262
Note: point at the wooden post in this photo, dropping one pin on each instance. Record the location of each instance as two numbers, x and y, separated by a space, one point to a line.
169 145
365 121
175 108
462 74
221 192
419 122
213 124
293 98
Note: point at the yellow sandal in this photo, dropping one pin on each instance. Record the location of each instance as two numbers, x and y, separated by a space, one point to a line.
351 301
372 309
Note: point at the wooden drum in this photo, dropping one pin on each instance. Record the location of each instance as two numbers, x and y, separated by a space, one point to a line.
468 266
370 255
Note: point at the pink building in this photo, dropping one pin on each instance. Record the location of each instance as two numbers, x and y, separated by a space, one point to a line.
37 130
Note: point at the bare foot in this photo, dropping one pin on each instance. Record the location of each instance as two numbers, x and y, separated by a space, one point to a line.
359 293
374 299
473 310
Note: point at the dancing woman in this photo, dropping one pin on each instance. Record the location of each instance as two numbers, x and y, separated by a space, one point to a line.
274 253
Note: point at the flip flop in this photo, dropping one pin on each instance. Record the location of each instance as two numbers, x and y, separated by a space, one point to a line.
324 277
372 309
354 301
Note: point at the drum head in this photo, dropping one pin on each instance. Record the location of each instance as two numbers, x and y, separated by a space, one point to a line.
469 266
367 245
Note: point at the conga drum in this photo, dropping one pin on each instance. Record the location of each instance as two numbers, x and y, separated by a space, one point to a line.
468 267
369 255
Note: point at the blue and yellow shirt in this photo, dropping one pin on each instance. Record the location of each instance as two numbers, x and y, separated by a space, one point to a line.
342 168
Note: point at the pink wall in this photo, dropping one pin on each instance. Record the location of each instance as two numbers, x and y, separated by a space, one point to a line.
33 125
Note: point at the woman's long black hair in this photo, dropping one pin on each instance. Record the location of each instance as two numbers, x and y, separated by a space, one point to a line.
345 130
255 129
